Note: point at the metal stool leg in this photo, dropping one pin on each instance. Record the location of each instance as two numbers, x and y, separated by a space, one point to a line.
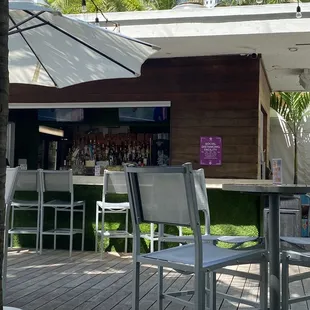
12 225
41 228
152 238
55 228
96 228
38 229
102 233
71 232
285 282
263 283
83 228
212 295
200 291
126 229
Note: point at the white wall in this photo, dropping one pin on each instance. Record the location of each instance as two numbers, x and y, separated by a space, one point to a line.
281 146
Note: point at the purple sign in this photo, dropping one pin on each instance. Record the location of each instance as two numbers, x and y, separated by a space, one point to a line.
210 151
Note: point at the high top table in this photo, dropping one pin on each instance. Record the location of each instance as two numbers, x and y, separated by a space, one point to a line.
274 192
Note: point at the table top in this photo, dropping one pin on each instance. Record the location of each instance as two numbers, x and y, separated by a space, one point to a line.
210 183
269 188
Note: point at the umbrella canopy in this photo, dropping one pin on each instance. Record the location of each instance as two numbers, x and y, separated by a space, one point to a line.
46 48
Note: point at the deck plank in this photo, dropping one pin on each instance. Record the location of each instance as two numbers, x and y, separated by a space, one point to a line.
235 289
186 282
77 294
31 269
251 288
149 300
305 283
48 278
54 291
107 297
296 290
125 291
223 283
85 282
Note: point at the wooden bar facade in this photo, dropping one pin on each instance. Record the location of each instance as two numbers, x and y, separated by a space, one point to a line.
210 96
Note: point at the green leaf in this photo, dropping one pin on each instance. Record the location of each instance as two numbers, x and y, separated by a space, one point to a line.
292 106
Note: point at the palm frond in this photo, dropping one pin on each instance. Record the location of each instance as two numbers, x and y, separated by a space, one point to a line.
279 105
292 106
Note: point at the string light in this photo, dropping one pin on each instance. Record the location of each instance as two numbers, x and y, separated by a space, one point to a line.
84 9
298 11
97 23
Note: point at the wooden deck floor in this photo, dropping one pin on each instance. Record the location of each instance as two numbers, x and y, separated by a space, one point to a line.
85 282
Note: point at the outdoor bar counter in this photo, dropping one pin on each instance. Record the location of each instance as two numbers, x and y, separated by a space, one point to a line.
232 213
210 183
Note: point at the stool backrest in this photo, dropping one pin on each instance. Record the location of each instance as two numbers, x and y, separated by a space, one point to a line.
114 182
201 192
163 195
28 181
10 183
202 197
57 181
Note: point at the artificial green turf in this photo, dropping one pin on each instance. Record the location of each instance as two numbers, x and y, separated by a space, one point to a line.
232 213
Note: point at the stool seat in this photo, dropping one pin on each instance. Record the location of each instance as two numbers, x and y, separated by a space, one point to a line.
24 203
113 205
62 203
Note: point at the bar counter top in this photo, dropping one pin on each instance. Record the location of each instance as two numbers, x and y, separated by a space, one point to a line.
210 183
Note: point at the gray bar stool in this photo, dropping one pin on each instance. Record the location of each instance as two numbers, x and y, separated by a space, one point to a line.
61 181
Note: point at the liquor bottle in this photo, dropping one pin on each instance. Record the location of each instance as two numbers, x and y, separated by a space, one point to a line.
145 160
133 150
90 150
69 158
85 148
120 156
107 152
147 155
94 149
111 157
98 151
103 155
129 152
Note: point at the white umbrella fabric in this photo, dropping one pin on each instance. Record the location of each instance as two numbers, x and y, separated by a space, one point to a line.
46 48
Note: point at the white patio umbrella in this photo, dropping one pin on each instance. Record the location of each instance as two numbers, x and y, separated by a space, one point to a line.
46 48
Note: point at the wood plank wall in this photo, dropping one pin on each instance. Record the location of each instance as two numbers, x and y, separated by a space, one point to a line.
209 96
228 107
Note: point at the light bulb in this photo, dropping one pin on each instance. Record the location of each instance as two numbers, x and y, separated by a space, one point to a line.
298 12
84 8
97 21
259 1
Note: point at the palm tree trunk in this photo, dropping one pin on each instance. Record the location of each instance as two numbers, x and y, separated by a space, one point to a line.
295 159
4 93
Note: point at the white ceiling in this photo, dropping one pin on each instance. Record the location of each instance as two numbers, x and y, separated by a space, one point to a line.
269 30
